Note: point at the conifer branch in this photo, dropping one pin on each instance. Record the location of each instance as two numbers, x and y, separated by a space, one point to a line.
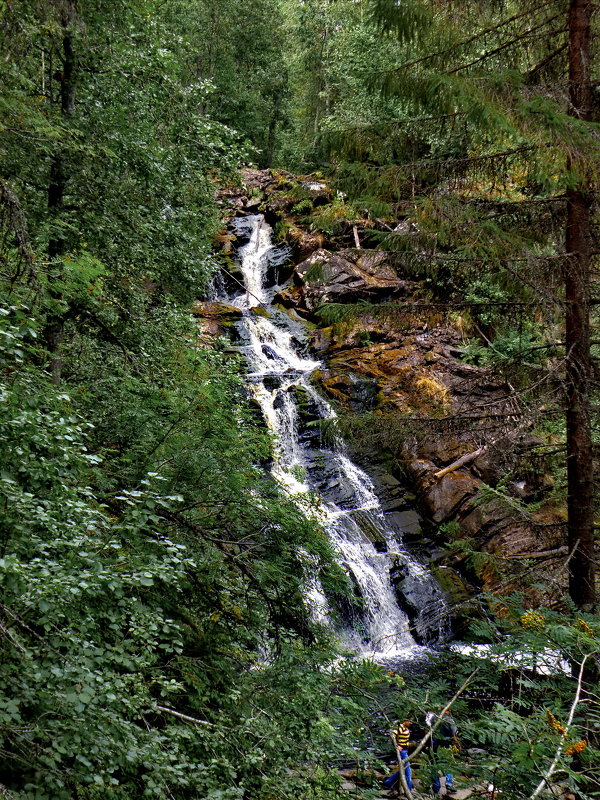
539 67
452 48
506 45
457 162
396 122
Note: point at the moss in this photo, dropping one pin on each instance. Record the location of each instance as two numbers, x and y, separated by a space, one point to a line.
454 587
260 311
432 390
314 274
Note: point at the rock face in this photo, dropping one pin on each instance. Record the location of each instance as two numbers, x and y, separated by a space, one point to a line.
344 277
453 429
431 409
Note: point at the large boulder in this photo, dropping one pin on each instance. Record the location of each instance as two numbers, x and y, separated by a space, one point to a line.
445 496
348 276
214 318
304 242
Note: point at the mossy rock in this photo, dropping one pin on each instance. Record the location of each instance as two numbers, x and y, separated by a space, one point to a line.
216 309
260 311
459 596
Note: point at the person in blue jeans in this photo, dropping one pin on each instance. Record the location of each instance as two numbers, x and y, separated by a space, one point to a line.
401 737
446 735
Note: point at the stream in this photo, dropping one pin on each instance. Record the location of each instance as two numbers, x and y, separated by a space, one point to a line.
313 466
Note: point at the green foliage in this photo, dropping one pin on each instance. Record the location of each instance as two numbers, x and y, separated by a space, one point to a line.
449 529
136 155
131 595
243 64
486 292
516 695
154 634
507 350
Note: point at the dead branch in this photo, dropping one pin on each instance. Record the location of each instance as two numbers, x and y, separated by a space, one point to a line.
460 462
184 716
556 551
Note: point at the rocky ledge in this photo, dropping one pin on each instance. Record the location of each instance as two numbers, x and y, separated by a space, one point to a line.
347 276
456 431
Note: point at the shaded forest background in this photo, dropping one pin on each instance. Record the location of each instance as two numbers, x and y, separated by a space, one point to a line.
155 641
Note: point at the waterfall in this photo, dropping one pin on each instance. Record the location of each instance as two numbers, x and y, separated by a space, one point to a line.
279 374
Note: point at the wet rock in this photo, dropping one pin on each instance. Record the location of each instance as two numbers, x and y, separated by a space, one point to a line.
272 382
215 309
324 474
270 353
353 391
260 311
423 602
309 415
391 492
406 523
370 529
459 596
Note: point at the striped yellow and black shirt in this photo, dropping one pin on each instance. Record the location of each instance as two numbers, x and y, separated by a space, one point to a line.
402 736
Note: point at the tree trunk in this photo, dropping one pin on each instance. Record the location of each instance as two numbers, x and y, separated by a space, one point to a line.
577 295
55 323
68 87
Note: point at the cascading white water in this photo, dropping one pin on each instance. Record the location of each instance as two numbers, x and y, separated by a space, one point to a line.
349 507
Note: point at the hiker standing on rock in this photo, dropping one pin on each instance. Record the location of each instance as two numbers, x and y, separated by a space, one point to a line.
401 737
445 735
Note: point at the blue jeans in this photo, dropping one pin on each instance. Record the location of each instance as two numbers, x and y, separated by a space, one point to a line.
436 785
393 779
390 782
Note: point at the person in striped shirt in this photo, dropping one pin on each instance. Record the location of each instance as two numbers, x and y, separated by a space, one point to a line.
401 738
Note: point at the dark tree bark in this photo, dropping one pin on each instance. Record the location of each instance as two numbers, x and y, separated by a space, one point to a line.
54 329
577 296
67 77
